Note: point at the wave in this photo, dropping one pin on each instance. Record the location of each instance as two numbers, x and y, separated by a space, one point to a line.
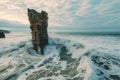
63 60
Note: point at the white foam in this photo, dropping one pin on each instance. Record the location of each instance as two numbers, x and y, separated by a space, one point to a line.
13 56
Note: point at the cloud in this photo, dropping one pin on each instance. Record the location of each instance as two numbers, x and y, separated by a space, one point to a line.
84 8
63 13
13 26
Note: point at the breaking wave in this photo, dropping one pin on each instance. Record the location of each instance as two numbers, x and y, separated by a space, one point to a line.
63 60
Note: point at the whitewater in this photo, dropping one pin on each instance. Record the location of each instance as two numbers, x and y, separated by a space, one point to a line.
67 57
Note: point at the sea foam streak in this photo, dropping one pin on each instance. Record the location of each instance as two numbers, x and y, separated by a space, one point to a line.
64 59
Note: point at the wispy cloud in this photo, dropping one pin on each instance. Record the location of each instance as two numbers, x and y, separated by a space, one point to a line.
63 13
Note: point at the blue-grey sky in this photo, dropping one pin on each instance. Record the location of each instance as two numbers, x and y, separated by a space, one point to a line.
63 14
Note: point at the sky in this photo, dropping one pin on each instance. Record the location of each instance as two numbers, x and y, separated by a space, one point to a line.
71 15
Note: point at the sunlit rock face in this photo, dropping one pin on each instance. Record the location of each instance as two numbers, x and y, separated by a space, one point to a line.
38 25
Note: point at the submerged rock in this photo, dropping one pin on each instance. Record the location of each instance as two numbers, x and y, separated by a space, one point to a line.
115 77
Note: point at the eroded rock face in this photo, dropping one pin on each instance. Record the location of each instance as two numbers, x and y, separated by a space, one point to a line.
38 25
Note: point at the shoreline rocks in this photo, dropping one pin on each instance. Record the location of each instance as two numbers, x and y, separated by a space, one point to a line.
2 35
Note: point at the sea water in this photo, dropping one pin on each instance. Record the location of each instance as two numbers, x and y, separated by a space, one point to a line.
68 56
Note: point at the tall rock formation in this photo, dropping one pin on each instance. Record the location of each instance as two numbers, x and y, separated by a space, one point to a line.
38 25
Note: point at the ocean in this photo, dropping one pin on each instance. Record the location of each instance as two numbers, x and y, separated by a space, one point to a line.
68 56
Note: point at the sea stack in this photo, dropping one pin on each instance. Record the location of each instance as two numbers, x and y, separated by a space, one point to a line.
38 25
